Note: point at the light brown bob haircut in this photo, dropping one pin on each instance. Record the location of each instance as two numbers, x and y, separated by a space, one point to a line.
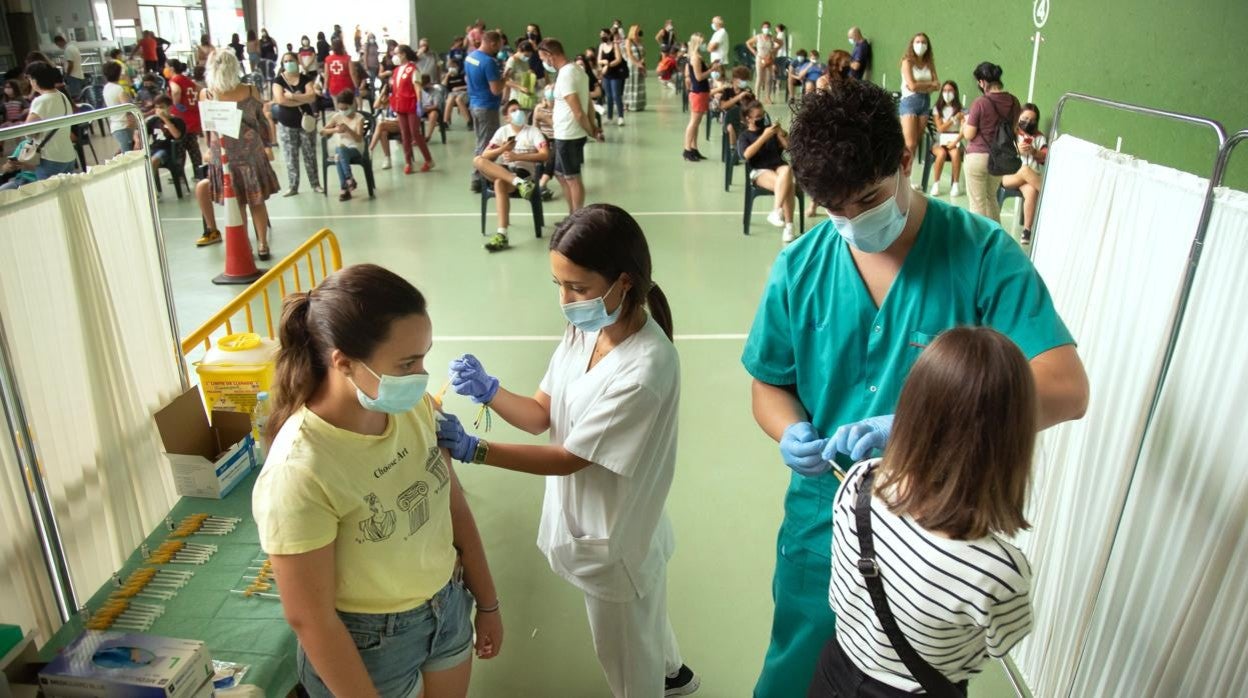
958 460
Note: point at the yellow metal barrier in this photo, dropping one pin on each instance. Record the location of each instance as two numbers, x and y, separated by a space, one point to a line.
314 249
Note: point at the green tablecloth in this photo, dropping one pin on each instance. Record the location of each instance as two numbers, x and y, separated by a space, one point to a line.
238 629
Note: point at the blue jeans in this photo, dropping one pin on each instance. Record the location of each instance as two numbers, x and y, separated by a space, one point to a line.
397 647
347 157
49 168
74 86
614 88
125 139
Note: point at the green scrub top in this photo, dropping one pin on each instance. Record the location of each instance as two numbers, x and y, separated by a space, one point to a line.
817 328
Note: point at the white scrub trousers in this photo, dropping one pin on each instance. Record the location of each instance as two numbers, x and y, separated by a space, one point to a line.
624 640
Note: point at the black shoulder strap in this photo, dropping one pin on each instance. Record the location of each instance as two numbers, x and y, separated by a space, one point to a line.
932 681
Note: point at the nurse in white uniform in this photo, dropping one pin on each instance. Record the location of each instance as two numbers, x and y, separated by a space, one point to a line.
609 400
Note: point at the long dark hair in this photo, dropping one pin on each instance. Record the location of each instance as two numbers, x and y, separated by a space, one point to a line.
963 468
351 311
606 240
957 98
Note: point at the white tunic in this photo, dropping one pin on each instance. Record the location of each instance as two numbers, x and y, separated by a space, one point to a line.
604 528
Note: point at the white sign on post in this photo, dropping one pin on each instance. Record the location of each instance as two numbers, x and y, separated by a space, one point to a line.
223 117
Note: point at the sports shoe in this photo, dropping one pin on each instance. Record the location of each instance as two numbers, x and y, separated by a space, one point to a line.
619 121
498 243
1026 237
526 188
935 190
788 235
385 163
407 169
954 191
776 218
427 166
290 192
211 237
547 194
684 683
317 189
345 195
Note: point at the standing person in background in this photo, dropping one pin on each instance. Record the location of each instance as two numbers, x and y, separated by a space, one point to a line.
635 85
475 34
427 61
371 57
335 34
237 46
322 49
339 77
253 50
614 72
718 46
57 154
122 126
697 77
268 54
307 56
458 51
987 113
519 79
860 58
185 95
294 93
668 41
949 116
405 101
357 38
610 400
533 33
75 79
204 49
782 58
763 46
918 82
573 122
485 89
126 80
1033 149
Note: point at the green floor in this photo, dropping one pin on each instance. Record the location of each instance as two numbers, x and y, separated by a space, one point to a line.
726 500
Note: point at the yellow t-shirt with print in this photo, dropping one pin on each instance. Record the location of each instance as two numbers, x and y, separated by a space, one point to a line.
383 501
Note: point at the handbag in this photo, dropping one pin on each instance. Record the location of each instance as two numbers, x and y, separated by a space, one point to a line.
308 122
29 153
928 676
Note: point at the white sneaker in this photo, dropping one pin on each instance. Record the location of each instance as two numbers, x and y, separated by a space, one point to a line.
385 163
776 218
954 191
935 190
788 235
619 121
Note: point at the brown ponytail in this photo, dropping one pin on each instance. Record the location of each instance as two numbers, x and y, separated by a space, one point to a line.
606 240
350 311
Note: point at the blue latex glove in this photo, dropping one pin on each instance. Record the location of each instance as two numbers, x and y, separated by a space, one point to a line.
468 378
858 439
452 437
801 448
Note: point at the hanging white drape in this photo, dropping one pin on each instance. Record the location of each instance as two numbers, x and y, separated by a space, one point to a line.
25 595
1112 243
83 305
1172 617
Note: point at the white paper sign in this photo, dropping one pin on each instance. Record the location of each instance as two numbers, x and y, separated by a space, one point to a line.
223 117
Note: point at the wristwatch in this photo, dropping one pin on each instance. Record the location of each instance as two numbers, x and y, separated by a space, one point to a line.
483 450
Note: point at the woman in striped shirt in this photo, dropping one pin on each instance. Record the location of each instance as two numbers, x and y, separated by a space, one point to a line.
949 489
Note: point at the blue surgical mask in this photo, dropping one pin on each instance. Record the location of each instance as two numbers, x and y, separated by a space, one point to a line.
549 68
714 74
395 394
874 230
592 315
518 118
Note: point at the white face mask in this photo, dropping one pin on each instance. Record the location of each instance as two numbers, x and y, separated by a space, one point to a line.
948 97
876 229
852 42
920 48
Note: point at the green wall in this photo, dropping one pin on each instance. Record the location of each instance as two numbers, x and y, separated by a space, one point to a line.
1178 56
576 22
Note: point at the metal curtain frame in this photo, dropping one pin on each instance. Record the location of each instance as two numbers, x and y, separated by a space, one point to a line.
1193 261
11 395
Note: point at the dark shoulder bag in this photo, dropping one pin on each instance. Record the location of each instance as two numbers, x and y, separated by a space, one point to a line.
1003 158
930 678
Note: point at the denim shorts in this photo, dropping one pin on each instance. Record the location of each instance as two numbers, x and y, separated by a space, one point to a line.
125 139
917 104
398 647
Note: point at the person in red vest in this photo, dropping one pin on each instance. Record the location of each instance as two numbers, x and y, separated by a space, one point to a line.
405 101
338 73
185 94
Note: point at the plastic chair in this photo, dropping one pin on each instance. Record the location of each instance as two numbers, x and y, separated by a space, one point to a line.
1003 194
82 137
366 157
177 168
753 191
535 201
743 56
925 146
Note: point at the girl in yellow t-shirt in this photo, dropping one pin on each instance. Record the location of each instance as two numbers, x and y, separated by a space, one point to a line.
374 548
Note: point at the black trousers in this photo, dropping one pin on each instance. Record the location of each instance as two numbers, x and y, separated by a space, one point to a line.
837 676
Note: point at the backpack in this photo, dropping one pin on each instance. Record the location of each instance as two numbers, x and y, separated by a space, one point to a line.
1003 158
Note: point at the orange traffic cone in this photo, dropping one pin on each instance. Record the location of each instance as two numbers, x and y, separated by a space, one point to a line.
240 267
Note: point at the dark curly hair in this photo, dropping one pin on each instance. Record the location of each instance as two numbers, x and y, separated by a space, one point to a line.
845 139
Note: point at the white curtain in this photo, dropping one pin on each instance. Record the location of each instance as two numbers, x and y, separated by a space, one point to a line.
84 309
1112 243
1172 618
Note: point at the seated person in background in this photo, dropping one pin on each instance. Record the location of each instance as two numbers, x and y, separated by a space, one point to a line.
510 160
838 69
386 125
544 120
730 97
1033 148
16 107
458 52
345 130
948 117
163 131
811 72
430 106
762 148
456 86
148 92
797 67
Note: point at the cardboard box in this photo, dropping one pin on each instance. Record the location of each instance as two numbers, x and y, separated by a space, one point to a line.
208 460
121 664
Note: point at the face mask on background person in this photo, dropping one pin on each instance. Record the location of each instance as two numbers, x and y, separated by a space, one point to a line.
920 48
876 229
550 93
518 118
948 97
592 315
291 67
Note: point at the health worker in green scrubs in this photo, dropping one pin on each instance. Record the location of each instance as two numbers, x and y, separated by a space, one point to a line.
847 310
